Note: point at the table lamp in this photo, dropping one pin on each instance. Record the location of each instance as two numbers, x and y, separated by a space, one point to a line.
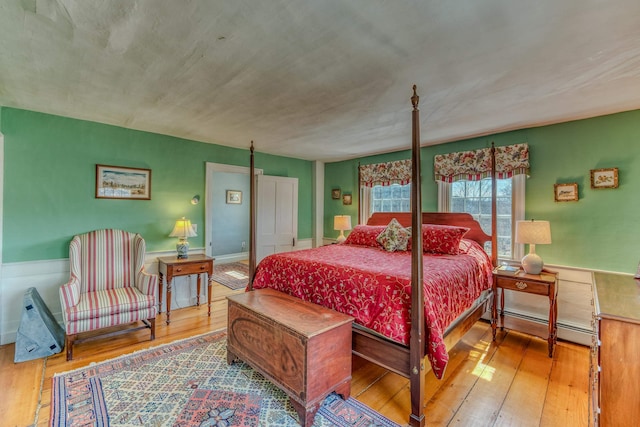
183 230
341 222
533 232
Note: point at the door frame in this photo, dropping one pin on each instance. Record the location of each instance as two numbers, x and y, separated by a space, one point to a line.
208 198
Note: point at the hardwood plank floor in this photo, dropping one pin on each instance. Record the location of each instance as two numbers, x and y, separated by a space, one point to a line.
508 383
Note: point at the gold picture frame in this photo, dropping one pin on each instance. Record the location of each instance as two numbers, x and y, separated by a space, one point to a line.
604 178
120 182
346 199
335 194
567 192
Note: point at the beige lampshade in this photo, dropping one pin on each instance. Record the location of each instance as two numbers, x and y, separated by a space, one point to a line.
536 232
183 228
342 222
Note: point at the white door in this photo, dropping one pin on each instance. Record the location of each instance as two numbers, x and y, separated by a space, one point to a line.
276 215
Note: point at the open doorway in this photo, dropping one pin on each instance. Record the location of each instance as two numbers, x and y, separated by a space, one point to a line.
227 222
227 214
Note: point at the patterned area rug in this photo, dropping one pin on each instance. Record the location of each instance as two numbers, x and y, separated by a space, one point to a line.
233 275
186 383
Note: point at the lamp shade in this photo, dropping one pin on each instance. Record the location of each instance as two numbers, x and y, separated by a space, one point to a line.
342 222
536 232
183 228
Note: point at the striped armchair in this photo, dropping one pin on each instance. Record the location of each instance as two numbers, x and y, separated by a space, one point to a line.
108 285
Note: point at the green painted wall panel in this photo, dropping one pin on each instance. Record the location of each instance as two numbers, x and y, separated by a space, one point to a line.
49 183
600 231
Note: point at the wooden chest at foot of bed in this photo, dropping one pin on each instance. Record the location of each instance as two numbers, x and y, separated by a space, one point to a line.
303 348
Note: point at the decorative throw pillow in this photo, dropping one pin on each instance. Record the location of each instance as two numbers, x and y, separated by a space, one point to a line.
394 237
442 239
364 235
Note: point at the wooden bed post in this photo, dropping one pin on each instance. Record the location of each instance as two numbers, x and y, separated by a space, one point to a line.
252 221
417 339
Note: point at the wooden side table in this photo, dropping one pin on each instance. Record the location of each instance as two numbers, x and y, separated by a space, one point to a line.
170 267
544 284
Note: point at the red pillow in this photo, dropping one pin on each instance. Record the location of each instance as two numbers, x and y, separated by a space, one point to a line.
442 239
365 235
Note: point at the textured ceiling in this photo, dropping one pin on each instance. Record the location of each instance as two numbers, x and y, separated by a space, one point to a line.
320 80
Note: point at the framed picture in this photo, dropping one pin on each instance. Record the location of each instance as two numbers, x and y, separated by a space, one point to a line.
234 197
604 178
119 182
335 194
566 192
346 199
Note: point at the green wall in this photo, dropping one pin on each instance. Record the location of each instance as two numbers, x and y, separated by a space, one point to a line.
600 231
49 183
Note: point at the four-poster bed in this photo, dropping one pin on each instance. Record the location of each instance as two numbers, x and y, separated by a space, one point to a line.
405 354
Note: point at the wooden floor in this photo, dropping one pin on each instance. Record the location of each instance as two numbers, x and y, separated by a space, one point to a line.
508 383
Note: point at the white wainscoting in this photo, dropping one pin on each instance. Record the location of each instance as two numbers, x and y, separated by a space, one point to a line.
239 256
575 307
47 277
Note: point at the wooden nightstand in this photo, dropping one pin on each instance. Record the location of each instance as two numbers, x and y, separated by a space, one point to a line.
170 267
539 284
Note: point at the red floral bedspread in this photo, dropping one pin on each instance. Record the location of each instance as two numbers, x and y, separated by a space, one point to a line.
374 287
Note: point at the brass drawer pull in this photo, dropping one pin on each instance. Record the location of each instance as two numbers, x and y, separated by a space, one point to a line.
521 285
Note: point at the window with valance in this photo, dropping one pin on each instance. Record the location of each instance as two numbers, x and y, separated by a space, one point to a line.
462 187
389 175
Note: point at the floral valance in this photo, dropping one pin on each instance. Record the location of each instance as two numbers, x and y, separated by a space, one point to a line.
398 172
476 165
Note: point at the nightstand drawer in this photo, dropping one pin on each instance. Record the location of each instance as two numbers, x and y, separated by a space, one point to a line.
523 285
191 268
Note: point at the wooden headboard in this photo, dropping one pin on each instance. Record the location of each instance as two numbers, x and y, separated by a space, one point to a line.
443 218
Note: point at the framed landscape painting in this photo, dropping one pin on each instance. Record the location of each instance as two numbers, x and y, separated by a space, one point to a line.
119 182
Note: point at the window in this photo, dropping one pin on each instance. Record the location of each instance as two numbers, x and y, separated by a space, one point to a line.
384 198
391 198
474 197
461 188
